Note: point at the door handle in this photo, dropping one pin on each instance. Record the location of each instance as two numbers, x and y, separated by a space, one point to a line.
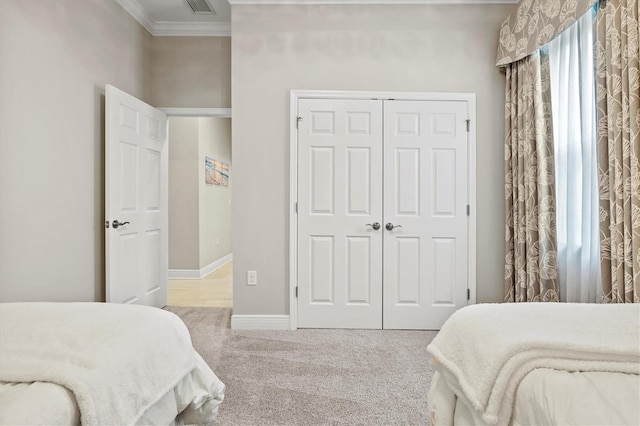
116 224
374 225
390 226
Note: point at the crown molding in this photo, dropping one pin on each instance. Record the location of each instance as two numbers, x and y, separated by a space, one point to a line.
369 2
220 29
138 12
223 29
163 28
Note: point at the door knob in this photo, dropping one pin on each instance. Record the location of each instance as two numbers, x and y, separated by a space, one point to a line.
374 225
116 224
390 226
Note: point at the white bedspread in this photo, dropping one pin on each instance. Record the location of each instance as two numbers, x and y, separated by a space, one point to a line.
548 397
484 351
118 360
551 397
194 401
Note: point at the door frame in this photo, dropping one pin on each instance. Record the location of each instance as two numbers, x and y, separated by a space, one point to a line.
197 112
295 95
191 112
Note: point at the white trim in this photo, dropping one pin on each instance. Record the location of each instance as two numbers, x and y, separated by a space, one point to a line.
197 112
223 29
471 236
293 214
216 265
184 274
295 95
208 29
259 322
139 14
369 2
198 274
398 96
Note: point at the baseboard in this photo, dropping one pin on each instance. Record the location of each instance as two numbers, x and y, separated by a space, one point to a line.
260 322
215 265
184 274
198 274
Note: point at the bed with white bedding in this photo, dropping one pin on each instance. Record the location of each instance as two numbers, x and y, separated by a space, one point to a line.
96 363
526 364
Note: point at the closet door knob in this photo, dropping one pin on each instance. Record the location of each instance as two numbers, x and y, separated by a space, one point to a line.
390 226
374 225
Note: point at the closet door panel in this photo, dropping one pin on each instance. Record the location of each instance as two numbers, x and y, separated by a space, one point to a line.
339 193
425 199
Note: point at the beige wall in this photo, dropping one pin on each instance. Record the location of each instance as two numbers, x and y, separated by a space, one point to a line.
393 48
184 226
55 58
191 72
215 200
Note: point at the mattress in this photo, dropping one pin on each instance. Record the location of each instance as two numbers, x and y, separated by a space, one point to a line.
546 396
194 400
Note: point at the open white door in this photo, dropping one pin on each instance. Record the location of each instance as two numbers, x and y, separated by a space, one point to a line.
136 216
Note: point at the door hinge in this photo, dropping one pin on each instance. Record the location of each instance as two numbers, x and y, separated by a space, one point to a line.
296 207
468 294
468 210
296 292
468 125
298 119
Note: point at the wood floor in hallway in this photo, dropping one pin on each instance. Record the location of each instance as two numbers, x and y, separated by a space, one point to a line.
214 290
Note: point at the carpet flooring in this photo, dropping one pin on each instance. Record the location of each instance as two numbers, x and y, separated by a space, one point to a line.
314 377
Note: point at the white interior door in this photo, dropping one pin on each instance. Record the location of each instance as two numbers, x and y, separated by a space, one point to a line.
339 193
136 201
425 199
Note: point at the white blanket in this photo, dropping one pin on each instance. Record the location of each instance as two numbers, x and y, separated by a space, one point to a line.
118 360
484 351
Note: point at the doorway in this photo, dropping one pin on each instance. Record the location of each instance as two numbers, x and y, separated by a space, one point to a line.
137 204
199 192
385 198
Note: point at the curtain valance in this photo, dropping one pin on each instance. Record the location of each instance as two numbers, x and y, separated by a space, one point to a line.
534 24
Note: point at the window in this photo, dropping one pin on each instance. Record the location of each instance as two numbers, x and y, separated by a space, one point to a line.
574 127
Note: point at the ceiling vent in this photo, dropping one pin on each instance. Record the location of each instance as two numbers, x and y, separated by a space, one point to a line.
200 6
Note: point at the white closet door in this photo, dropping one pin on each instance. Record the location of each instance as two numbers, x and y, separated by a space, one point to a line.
425 192
339 193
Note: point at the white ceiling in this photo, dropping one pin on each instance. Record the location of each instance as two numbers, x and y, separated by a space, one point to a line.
178 10
175 17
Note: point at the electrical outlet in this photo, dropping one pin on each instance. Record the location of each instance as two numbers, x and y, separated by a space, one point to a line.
252 278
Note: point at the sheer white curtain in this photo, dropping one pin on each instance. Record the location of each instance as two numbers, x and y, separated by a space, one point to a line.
574 126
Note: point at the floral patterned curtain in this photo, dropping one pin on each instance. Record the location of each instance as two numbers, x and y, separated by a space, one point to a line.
531 273
618 96
534 24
